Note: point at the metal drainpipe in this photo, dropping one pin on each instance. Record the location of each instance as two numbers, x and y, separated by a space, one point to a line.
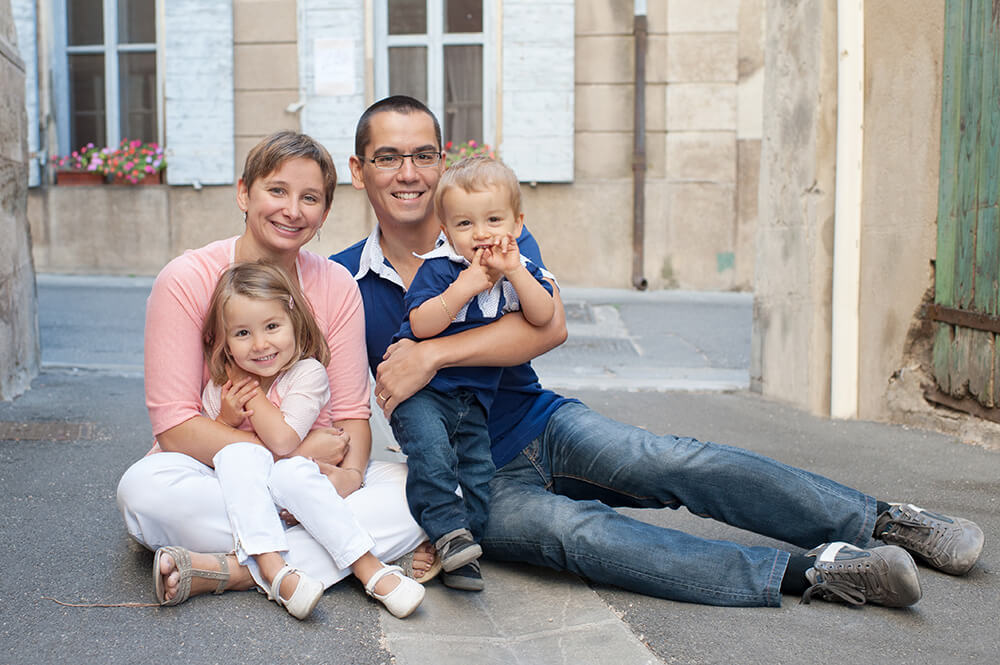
639 150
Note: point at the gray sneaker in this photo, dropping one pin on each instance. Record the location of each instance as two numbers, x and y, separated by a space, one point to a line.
457 548
950 544
883 575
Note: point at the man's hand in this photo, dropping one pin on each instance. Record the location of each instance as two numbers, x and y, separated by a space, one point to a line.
235 395
406 368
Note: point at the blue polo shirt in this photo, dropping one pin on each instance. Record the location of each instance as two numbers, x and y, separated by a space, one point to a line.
521 407
440 269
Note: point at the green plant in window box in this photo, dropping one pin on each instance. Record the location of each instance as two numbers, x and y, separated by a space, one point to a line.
133 162
455 154
80 167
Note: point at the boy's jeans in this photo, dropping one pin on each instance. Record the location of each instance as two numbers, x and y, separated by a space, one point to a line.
550 507
447 445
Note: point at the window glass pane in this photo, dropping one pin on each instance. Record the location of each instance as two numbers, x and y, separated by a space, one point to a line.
463 15
407 17
86 100
137 95
84 22
137 21
463 93
408 71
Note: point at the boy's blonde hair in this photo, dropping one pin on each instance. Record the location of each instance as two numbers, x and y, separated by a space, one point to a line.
259 281
479 173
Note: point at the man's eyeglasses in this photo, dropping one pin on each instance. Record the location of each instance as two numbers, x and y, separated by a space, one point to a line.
391 162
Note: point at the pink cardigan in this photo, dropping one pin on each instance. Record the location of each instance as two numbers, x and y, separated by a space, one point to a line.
175 370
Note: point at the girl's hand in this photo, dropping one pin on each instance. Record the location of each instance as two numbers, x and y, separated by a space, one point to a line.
504 257
235 396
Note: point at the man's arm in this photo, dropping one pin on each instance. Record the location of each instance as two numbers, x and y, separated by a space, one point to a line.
509 341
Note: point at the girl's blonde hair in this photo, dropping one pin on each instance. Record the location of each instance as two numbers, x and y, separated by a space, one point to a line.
479 173
259 281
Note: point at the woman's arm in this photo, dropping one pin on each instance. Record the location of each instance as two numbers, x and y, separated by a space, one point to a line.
201 438
509 341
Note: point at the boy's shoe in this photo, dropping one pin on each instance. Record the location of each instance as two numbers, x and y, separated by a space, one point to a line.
457 548
950 544
884 575
466 578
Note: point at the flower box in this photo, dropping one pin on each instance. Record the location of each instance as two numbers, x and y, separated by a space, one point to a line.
78 178
150 179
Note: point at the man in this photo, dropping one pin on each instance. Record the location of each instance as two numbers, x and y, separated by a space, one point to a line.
561 468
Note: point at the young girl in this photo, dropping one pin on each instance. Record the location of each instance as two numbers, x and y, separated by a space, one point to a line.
267 360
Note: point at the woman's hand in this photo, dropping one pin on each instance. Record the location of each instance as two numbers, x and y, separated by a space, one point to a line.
406 368
325 444
345 481
235 395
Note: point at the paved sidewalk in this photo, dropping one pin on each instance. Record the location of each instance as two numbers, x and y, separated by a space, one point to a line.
64 443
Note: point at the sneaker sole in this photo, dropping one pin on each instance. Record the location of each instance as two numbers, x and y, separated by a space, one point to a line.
459 559
462 583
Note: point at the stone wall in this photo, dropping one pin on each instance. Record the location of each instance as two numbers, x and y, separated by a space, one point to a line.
790 353
19 349
703 92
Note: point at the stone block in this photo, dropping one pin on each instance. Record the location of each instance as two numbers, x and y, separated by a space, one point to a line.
702 57
198 217
603 17
265 67
702 16
260 112
129 233
747 186
656 59
264 21
604 108
751 36
701 229
603 155
701 107
604 59
584 230
701 156
656 110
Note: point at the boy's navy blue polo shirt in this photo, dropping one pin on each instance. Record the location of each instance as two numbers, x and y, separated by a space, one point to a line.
521 408
440 269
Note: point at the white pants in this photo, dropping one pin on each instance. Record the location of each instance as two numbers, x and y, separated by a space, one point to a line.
173 499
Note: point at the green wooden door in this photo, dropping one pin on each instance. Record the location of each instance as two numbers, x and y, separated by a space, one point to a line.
967 296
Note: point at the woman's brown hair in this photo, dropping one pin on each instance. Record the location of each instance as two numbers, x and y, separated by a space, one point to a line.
260 281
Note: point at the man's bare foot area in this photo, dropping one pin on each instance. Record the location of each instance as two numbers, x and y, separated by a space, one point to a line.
239 576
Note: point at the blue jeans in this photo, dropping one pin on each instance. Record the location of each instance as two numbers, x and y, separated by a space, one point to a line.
447 445
552 506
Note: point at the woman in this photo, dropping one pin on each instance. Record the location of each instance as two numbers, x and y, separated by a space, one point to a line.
172 497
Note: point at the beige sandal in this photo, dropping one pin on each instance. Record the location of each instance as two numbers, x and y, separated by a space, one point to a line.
406 563
182 561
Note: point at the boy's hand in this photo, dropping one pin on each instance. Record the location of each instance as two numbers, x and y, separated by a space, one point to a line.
476 277
505 256
235 396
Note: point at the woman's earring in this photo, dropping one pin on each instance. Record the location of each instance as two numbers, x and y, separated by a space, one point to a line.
244 216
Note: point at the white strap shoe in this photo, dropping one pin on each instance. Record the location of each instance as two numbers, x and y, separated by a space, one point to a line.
402 600
303 599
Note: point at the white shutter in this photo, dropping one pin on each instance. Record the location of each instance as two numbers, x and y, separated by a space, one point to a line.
197 41
538 53
27 44
331 74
